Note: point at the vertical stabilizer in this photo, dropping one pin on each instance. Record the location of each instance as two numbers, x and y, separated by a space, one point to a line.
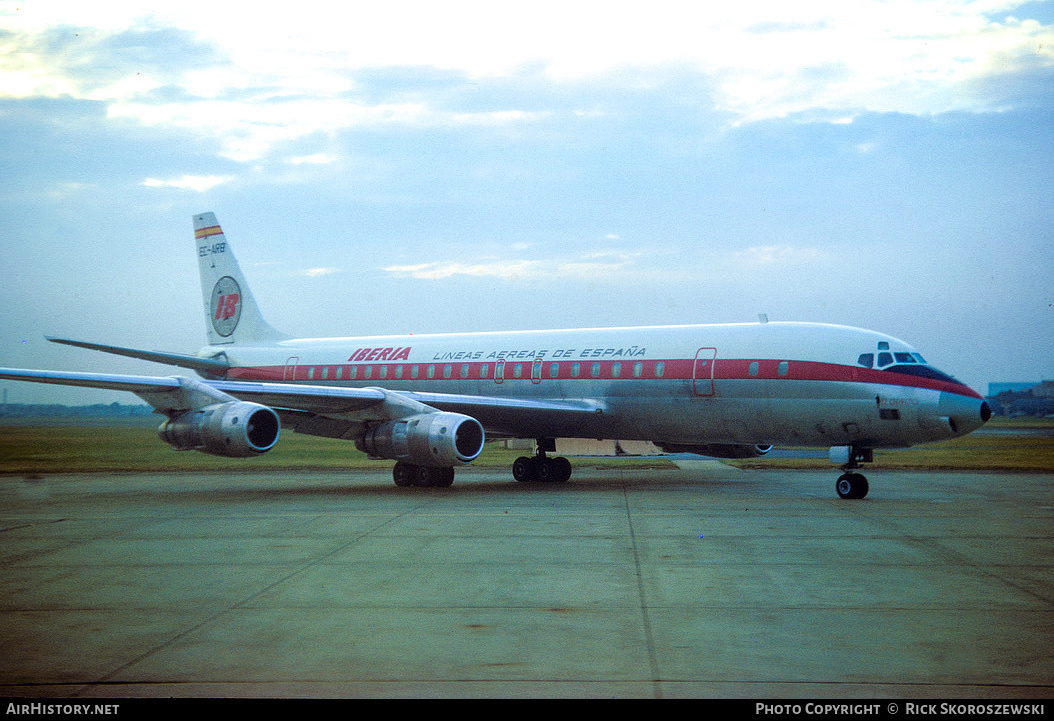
231 314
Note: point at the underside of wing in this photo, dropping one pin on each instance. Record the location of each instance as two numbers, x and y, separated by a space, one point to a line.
339 412
521 417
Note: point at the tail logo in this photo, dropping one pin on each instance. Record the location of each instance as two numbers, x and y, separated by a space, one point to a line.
226 306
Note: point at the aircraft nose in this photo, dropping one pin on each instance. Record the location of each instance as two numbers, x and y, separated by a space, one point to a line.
964 413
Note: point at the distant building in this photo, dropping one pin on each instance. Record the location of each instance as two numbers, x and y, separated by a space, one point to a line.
995 389
1021 399
1044 390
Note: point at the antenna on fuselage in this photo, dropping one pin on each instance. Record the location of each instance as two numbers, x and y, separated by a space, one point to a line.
763 318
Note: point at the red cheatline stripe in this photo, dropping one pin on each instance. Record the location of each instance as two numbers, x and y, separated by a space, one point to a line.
671 370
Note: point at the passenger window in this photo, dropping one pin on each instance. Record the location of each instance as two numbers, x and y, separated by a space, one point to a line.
517 370
353 372
660 369
554 370
753 370
398 371
616 370
384 371
595 370
447 370
431 372
638 369
368 373
867 360
576 368
783 368
415 371
464 370
484 370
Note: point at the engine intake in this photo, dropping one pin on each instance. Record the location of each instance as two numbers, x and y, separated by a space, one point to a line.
234 430
428 439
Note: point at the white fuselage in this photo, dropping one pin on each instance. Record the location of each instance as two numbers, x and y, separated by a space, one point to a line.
800 384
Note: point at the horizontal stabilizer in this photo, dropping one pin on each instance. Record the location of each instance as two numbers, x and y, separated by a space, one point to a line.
210 366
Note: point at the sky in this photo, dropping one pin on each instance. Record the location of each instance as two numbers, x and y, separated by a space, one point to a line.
412 167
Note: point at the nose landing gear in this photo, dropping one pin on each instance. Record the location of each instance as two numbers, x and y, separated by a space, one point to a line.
851 485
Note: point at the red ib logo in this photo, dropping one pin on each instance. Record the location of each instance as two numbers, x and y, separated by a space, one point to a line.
226 306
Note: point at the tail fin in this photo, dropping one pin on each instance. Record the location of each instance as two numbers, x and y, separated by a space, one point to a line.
231 314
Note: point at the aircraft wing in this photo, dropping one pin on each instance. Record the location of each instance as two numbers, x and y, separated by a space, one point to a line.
328 410
518 417
215 366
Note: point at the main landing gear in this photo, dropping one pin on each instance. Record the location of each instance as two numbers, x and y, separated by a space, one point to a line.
541 467
407 474
851 485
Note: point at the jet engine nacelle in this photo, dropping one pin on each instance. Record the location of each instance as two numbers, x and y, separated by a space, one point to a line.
719 450
428 439
236 429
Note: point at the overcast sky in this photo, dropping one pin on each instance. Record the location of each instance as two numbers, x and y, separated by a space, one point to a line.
428 167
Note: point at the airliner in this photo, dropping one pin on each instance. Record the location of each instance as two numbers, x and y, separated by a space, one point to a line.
429 402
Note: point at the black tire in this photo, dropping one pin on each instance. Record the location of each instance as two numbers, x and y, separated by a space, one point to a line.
561 470
404 474
426 476
444 477
523 469
851 486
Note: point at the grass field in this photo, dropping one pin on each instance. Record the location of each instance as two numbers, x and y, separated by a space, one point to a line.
71 446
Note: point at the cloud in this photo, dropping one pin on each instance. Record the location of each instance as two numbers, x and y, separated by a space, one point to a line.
778 254
439 270
256 83
318 272
591 266
197 183
314 159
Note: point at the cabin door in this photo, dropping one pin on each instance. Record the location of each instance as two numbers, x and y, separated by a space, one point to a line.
290 369
703 372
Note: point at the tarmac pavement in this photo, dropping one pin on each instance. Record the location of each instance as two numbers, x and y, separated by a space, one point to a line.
704 581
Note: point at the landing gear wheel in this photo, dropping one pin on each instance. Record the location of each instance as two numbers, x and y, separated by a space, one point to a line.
558 469
541 468
523 469
444 477
403 474
851 486
407 474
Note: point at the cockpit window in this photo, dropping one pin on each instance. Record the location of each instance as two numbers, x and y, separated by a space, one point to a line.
924 372
906 362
